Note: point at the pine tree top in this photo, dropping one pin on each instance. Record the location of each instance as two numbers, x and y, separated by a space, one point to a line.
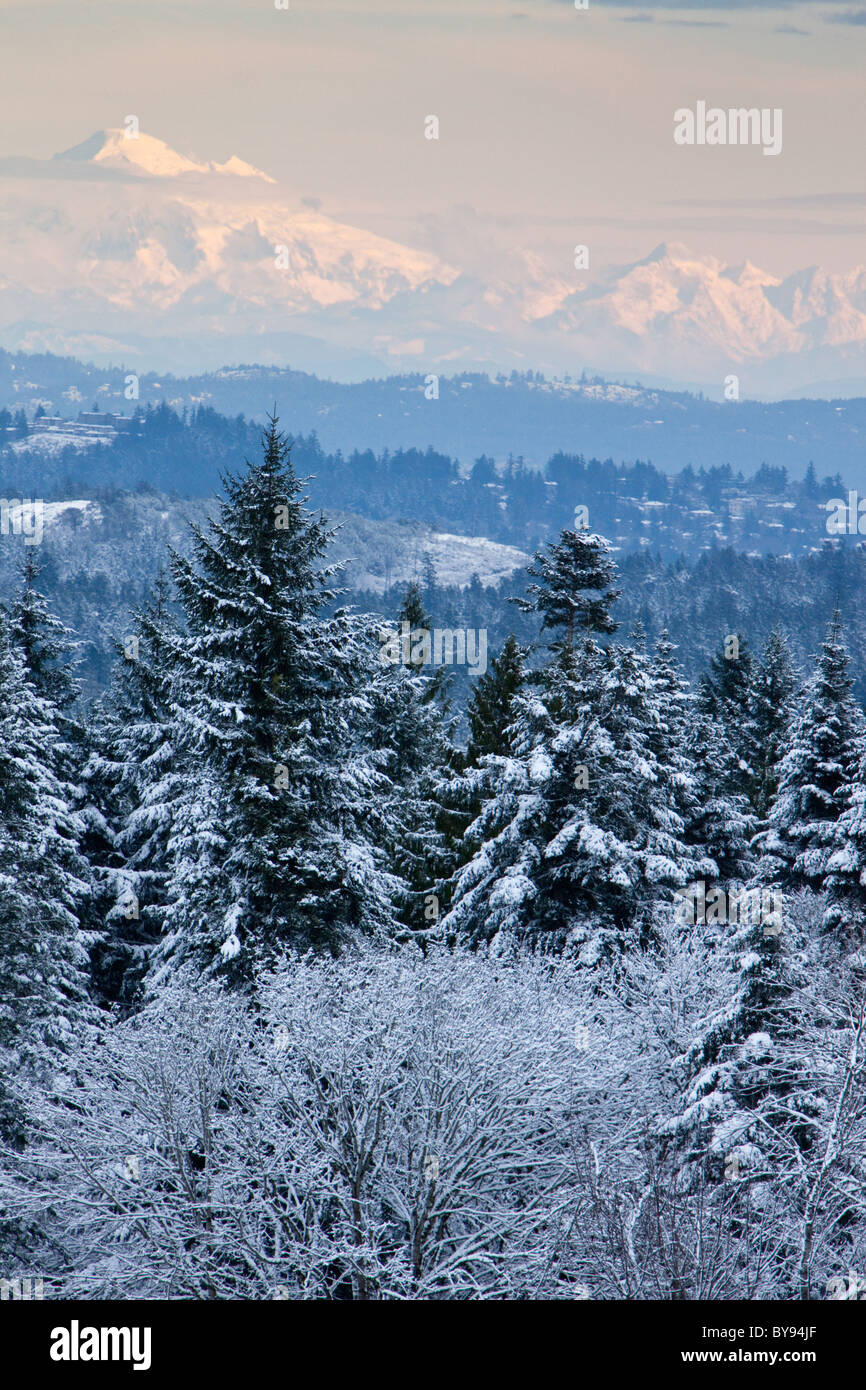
491 705
412 610
576 591
46 644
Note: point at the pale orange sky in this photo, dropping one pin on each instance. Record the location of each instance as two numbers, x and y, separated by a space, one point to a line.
555 124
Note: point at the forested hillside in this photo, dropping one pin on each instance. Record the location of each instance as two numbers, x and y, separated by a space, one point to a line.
102 549
635 503
470 413
306 996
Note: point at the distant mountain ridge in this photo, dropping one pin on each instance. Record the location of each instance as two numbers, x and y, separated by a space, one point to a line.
121 240
524 414
122 248
674 304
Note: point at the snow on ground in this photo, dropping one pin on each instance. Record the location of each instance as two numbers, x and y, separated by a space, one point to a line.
53 441
52 512
400 552
457 558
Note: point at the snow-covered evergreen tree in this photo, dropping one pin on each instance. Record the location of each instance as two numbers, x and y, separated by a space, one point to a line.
645 793
824 745
491 704
725 695
267 847
717 822
845 878
44 999
722 1063
690 747
133 777
722 821
583 826
405 737
576 591
673 696
743 1085
774 683
46 645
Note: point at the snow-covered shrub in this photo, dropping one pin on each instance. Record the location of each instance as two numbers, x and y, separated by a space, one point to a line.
383 1126
389 1125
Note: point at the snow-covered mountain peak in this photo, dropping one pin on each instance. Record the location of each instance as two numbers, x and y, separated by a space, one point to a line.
140 154
675 253
746 274
161 249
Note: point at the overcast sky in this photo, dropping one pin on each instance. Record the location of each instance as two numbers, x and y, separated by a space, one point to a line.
556 125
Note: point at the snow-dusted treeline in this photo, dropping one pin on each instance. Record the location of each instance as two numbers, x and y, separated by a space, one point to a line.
298 999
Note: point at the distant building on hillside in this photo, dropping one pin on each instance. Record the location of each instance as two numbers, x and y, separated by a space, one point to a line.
104 418
90 425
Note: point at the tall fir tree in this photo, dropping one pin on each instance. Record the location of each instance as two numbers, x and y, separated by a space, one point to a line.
576 590
717 822
773 688
672 691
824 745
725 695
722 821
44 987
407 737
490 712
740 1089
46 645
581 828
413 614
134 776
413 640
267 847
845 875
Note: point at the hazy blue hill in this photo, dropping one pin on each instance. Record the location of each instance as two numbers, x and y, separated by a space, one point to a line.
705 547
523 415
